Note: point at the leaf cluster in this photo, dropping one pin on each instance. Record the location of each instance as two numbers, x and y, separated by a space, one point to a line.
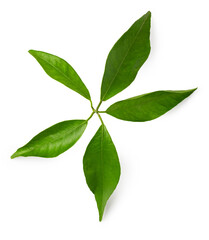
100 162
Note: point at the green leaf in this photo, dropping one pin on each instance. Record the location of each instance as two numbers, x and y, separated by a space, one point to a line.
54 140
58 69
148 106
126 58
101 167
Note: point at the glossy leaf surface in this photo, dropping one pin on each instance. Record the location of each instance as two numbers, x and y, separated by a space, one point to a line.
126 58
101 167
148 106
54 140
60 70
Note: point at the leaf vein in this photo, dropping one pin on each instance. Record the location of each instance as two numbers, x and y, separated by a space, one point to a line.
124 59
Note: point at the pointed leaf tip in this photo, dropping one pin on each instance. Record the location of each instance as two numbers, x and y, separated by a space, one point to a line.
13 156
60 70
54 140
126 58
148 106
101 167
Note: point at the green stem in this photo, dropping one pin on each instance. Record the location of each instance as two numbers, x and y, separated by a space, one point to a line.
101 111
90 116
98 105
92 105
96 111
100 118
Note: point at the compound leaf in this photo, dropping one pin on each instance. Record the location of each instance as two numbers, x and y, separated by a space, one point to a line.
58 69
148 106
54 140
101 167
126 58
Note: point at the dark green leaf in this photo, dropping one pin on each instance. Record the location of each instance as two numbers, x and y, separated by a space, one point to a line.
54 140
126 58
148 106
101 167
60 70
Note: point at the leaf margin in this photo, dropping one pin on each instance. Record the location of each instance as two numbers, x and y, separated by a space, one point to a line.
23 152
100 206
114 48
85 92
110 109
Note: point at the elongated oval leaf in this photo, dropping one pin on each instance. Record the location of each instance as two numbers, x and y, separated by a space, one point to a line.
126 58
101 167
54 140
148 106
60 70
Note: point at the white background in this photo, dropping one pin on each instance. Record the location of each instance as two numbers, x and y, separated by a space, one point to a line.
163 191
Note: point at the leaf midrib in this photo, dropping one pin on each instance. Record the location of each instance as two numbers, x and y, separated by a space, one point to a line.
124 58
62 73
102 166
58 138
143 101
